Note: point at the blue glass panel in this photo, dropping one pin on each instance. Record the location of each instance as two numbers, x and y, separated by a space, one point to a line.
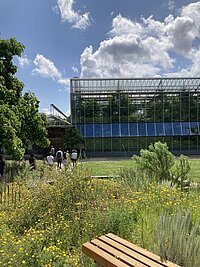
186 128
98 130
177 128
142 129
106 130
89 130
115 130
168 128
159 128
133 129
81 129
124 129
194 128
151 129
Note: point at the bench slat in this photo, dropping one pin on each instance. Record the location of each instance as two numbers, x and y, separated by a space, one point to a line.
112 251
140 250
101 257
133 255
129 261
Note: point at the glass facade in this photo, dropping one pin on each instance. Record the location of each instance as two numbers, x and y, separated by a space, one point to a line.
124 115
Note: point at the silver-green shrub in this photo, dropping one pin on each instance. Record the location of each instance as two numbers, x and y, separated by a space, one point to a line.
179 240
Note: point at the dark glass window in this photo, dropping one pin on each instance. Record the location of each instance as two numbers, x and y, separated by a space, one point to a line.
98 130
177 128
151 129
194 128
89 130
115 130
106 130
159 128
168 128
185 128
142 129
124 129
133 129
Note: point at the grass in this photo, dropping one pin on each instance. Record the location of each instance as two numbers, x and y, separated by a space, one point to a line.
111 168
106 168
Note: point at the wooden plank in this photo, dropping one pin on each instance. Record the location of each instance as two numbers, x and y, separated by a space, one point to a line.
128 260
101 257
131 253
141 251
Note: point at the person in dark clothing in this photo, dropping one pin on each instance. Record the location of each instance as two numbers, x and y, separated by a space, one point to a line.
32 162
2 166
59 156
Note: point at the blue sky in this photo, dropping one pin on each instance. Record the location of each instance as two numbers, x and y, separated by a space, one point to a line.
100 38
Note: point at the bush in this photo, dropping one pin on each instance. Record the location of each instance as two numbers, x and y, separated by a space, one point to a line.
179 239
158 163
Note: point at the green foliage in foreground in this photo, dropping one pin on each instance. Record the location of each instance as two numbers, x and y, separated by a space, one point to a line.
20 120
58 213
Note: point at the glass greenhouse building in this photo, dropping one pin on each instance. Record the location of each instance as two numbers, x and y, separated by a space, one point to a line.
121 116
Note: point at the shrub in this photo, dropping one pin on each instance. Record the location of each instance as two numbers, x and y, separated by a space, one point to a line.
158 163
179 239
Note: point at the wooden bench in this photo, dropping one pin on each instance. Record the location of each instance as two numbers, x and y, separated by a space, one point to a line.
112 251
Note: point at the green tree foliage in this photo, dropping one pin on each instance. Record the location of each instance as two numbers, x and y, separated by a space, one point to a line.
20 122
88 110
119 108
73 138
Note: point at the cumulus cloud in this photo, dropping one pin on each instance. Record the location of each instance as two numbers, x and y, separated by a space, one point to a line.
24 61
78 20
46 68
147 47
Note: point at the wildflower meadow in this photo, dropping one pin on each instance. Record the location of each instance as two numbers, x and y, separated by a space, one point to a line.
47 215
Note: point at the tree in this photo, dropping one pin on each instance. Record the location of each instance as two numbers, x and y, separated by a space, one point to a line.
73 138
20 120
88 109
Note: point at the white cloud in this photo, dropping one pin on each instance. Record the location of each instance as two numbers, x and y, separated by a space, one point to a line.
46 68
192 11
147 47
78 20
24 61
171 5
123 26
75 70
181 33
64 81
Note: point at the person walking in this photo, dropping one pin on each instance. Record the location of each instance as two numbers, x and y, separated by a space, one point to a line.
32 162
53 151
2 166
59 156
74 156
50 159
66 160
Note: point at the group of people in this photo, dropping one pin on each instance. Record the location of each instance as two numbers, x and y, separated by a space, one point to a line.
61 157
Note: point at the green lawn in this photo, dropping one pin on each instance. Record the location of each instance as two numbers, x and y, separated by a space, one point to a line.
106 168
110 168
